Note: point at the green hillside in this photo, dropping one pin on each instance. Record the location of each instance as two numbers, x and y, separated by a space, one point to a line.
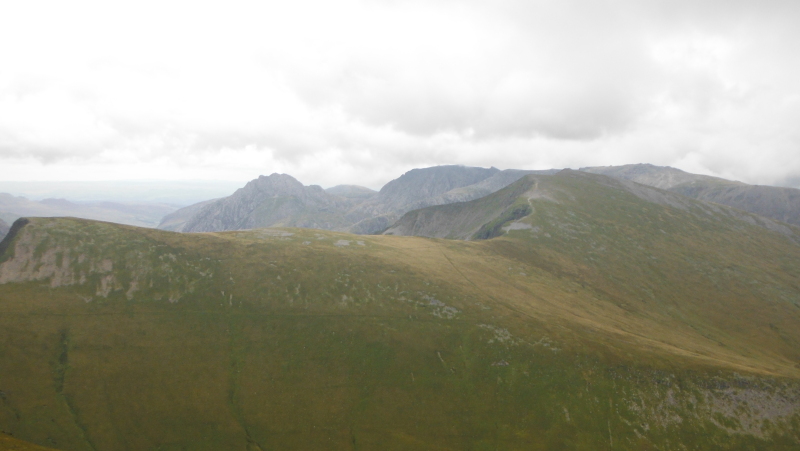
9 443
604 319
782 204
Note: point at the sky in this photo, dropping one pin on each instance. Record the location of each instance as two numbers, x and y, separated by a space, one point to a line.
358 92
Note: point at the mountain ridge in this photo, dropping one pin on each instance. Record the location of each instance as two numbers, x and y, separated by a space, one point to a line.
363 211
354 209
780 203
611 311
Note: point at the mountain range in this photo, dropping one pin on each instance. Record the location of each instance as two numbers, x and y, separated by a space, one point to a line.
142 214
280 200
567 310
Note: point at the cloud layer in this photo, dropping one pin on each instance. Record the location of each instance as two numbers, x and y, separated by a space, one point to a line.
360 91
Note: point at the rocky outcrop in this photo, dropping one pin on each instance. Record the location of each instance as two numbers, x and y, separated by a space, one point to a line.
276 200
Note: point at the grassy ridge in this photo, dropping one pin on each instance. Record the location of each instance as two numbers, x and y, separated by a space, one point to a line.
566 335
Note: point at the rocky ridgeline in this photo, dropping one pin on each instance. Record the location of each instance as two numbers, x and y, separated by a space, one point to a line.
281 200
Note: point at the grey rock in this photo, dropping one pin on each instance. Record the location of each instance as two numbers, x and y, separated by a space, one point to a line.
276 200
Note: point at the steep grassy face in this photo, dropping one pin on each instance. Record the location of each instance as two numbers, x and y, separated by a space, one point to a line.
582 327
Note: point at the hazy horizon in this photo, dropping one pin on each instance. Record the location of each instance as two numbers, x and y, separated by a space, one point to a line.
362 91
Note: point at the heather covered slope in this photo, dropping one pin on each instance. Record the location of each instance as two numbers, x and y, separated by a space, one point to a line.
612 322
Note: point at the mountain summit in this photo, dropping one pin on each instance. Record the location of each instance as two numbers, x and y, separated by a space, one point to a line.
278 199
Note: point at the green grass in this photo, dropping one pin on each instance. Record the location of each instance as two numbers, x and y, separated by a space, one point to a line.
567 335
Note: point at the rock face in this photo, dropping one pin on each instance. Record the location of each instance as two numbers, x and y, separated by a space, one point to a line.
773 202
278 199
418 187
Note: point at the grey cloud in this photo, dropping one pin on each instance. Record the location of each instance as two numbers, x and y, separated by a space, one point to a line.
544 83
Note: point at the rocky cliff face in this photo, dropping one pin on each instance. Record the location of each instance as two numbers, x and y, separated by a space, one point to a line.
278 199
417 186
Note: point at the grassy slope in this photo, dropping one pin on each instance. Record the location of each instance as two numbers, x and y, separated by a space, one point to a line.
779 203
8 443
289 339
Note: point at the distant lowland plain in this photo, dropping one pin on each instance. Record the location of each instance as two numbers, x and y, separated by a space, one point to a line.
630 307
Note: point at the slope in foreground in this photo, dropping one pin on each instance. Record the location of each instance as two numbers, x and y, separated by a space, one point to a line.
603 320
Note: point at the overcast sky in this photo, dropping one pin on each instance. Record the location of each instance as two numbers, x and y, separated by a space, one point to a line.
360 91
